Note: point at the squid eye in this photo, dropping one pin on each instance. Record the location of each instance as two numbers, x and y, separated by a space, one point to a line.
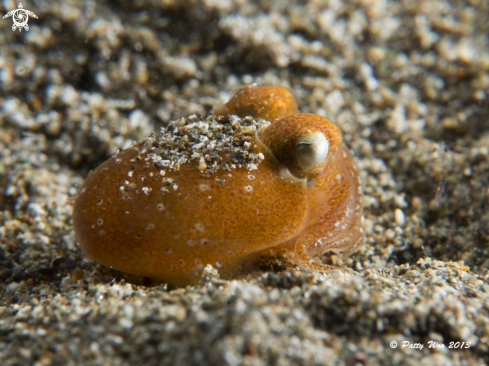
311 149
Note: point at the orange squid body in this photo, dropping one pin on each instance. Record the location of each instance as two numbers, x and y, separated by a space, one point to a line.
220 191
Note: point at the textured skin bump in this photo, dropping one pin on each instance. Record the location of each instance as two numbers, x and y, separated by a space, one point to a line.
267 102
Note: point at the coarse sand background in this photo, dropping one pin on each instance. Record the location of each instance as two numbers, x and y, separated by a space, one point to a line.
407 83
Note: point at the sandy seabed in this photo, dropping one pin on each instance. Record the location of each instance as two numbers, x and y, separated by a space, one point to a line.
406 81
